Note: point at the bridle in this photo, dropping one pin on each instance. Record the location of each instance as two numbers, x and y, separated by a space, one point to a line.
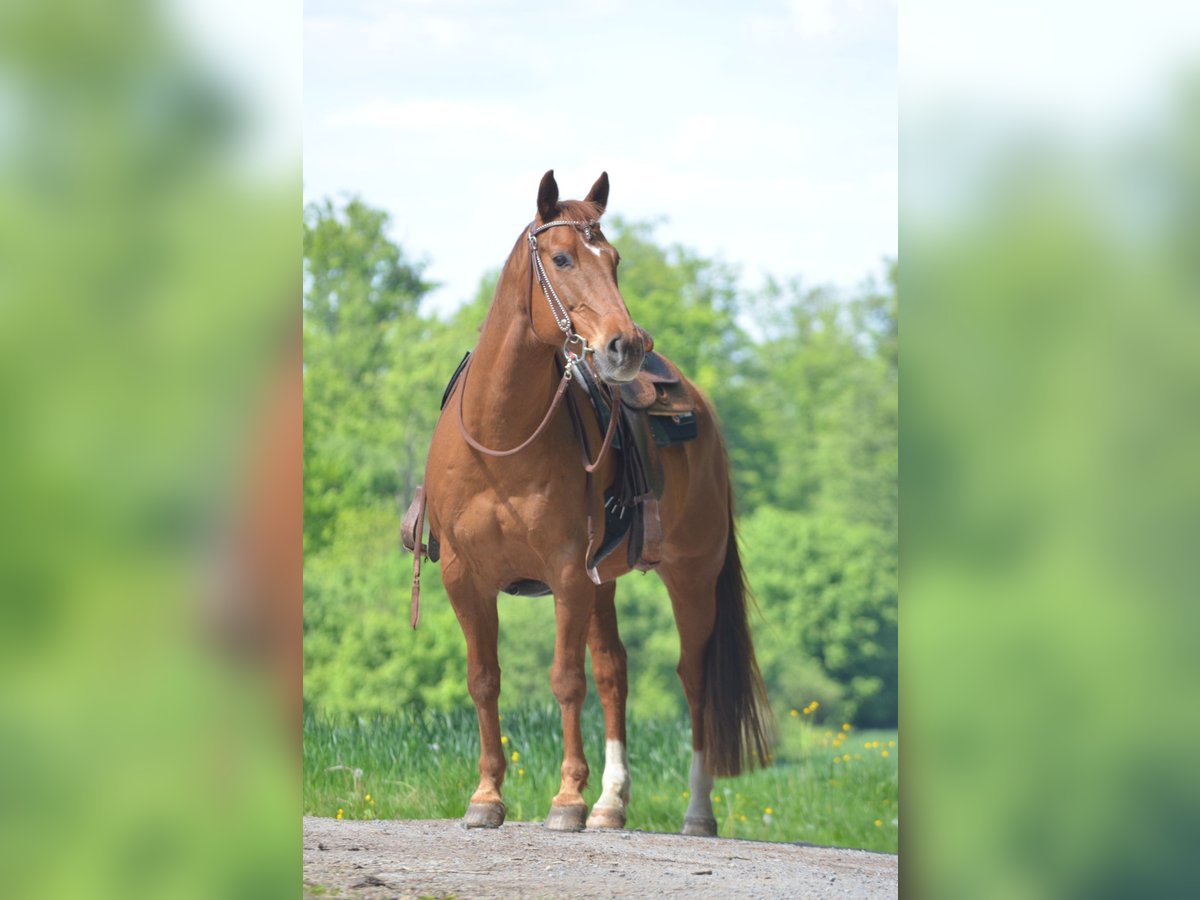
562 318
571 360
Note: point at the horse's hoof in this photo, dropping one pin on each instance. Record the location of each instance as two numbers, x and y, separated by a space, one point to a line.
700 827
484 815
567 818
603 817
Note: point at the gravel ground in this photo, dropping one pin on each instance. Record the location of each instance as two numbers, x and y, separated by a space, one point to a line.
440 858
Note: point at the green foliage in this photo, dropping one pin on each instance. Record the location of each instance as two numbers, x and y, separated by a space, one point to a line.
692 307
827 594
409 764
808 411
362 434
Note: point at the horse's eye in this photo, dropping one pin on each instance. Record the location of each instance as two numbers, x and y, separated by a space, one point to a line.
562 260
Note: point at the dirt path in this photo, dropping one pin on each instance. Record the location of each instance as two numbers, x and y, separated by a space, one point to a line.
440 858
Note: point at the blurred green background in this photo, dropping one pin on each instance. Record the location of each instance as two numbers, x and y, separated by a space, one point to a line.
149 281
1049 396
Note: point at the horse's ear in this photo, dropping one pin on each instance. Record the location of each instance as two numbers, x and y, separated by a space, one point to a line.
548 197
599 192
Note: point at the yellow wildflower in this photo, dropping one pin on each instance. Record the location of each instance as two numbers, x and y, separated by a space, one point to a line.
815 704
686 794
883 753
341 812
891 743
794 713
768 810
879 823
504 739
717 799
521 772
837 759
367 798
515 756
845 726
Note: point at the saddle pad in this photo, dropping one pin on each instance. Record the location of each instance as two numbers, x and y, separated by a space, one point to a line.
670 430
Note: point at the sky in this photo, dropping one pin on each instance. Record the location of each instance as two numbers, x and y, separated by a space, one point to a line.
762 134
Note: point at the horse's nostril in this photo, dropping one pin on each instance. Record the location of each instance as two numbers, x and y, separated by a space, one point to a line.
614 346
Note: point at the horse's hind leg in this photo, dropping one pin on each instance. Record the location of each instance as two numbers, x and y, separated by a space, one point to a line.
612 684
476 611
573 602
693 601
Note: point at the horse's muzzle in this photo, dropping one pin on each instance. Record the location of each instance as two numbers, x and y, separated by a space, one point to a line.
621 358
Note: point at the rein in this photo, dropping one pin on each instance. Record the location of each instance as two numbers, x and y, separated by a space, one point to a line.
562 318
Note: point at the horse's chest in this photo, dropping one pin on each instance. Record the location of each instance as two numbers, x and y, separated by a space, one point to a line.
539 509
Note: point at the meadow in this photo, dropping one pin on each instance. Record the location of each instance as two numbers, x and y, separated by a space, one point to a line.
829 784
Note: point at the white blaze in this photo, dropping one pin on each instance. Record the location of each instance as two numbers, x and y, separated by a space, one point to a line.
700 804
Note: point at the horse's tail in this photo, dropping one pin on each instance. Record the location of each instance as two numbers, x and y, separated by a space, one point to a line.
738 724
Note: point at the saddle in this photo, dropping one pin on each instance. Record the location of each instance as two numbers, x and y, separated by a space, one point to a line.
655 411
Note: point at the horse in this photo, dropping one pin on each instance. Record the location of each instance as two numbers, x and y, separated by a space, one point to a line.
509 502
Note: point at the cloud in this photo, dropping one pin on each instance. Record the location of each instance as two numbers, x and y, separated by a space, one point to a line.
430 116
812 18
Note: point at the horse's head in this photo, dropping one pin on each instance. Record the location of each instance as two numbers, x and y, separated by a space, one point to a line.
578 268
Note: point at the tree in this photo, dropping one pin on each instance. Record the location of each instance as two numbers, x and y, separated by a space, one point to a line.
832 386
691 307
361 300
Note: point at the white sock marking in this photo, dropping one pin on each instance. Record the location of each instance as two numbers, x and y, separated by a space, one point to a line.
616 777
701 783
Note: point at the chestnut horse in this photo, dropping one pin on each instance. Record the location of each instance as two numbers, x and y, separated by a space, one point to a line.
505 493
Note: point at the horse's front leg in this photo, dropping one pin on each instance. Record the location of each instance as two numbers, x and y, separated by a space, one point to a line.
476 611
573 602
612 684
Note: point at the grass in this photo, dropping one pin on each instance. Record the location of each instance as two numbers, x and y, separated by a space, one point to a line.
829 785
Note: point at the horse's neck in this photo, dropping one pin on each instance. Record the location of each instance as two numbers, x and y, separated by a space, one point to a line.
513 375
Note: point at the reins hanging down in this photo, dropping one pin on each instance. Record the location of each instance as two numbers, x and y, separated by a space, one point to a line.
563 319
413 526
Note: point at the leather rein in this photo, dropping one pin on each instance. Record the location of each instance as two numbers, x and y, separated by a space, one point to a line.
562 318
